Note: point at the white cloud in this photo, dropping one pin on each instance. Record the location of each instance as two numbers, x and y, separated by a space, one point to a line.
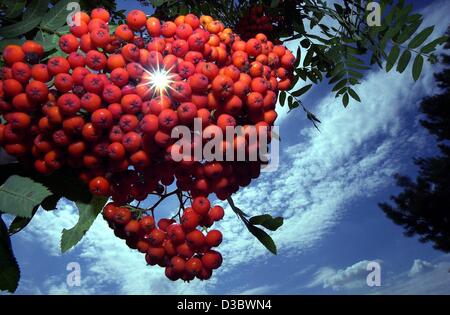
422 278
354 155
435 280
420 266
352 277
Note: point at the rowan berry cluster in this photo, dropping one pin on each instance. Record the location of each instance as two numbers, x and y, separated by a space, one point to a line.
103 108
256 20
181 248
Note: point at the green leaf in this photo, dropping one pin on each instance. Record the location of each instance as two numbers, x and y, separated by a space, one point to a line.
305 43
354 95
298 56
66 29
88 213
20 28
392 58
48 41
420 38
56 16
302 90
417 67
19 195
340 85
308 57
431 46
408 31
282 98
263 237
290 101
337 77
403 61
14 8
267 221
345 99
35 9
19 223
9 269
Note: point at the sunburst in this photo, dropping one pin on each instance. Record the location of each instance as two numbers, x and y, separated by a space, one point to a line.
158 79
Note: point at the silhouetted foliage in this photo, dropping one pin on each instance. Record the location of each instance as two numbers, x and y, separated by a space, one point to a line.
423 208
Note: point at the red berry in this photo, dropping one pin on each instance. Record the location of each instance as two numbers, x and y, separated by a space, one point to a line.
123 216
193 266
201 205
212 259
216 213
213 238
196 239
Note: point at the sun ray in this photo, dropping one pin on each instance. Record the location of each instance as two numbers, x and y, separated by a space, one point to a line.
158 79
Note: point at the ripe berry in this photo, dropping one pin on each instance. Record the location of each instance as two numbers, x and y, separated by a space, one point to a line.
213 238
147 224
68 43
216 213
183 250
132 227
156 237
37 91
122 216
193 266
190 220
196 239
212 259
201 205
178 264
136 19
99 186
13 54
176 234
102 119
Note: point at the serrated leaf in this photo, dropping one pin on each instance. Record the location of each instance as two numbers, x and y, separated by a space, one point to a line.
420 38
392 58
19 223
19 195
56 16
417 67
35 9
403 61
66 29
263 237
20 28
88 212
48 41
282 98
9 269
267 221
345 99
431 46
14 8
301 91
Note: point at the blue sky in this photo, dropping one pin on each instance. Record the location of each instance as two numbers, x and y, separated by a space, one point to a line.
327 188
